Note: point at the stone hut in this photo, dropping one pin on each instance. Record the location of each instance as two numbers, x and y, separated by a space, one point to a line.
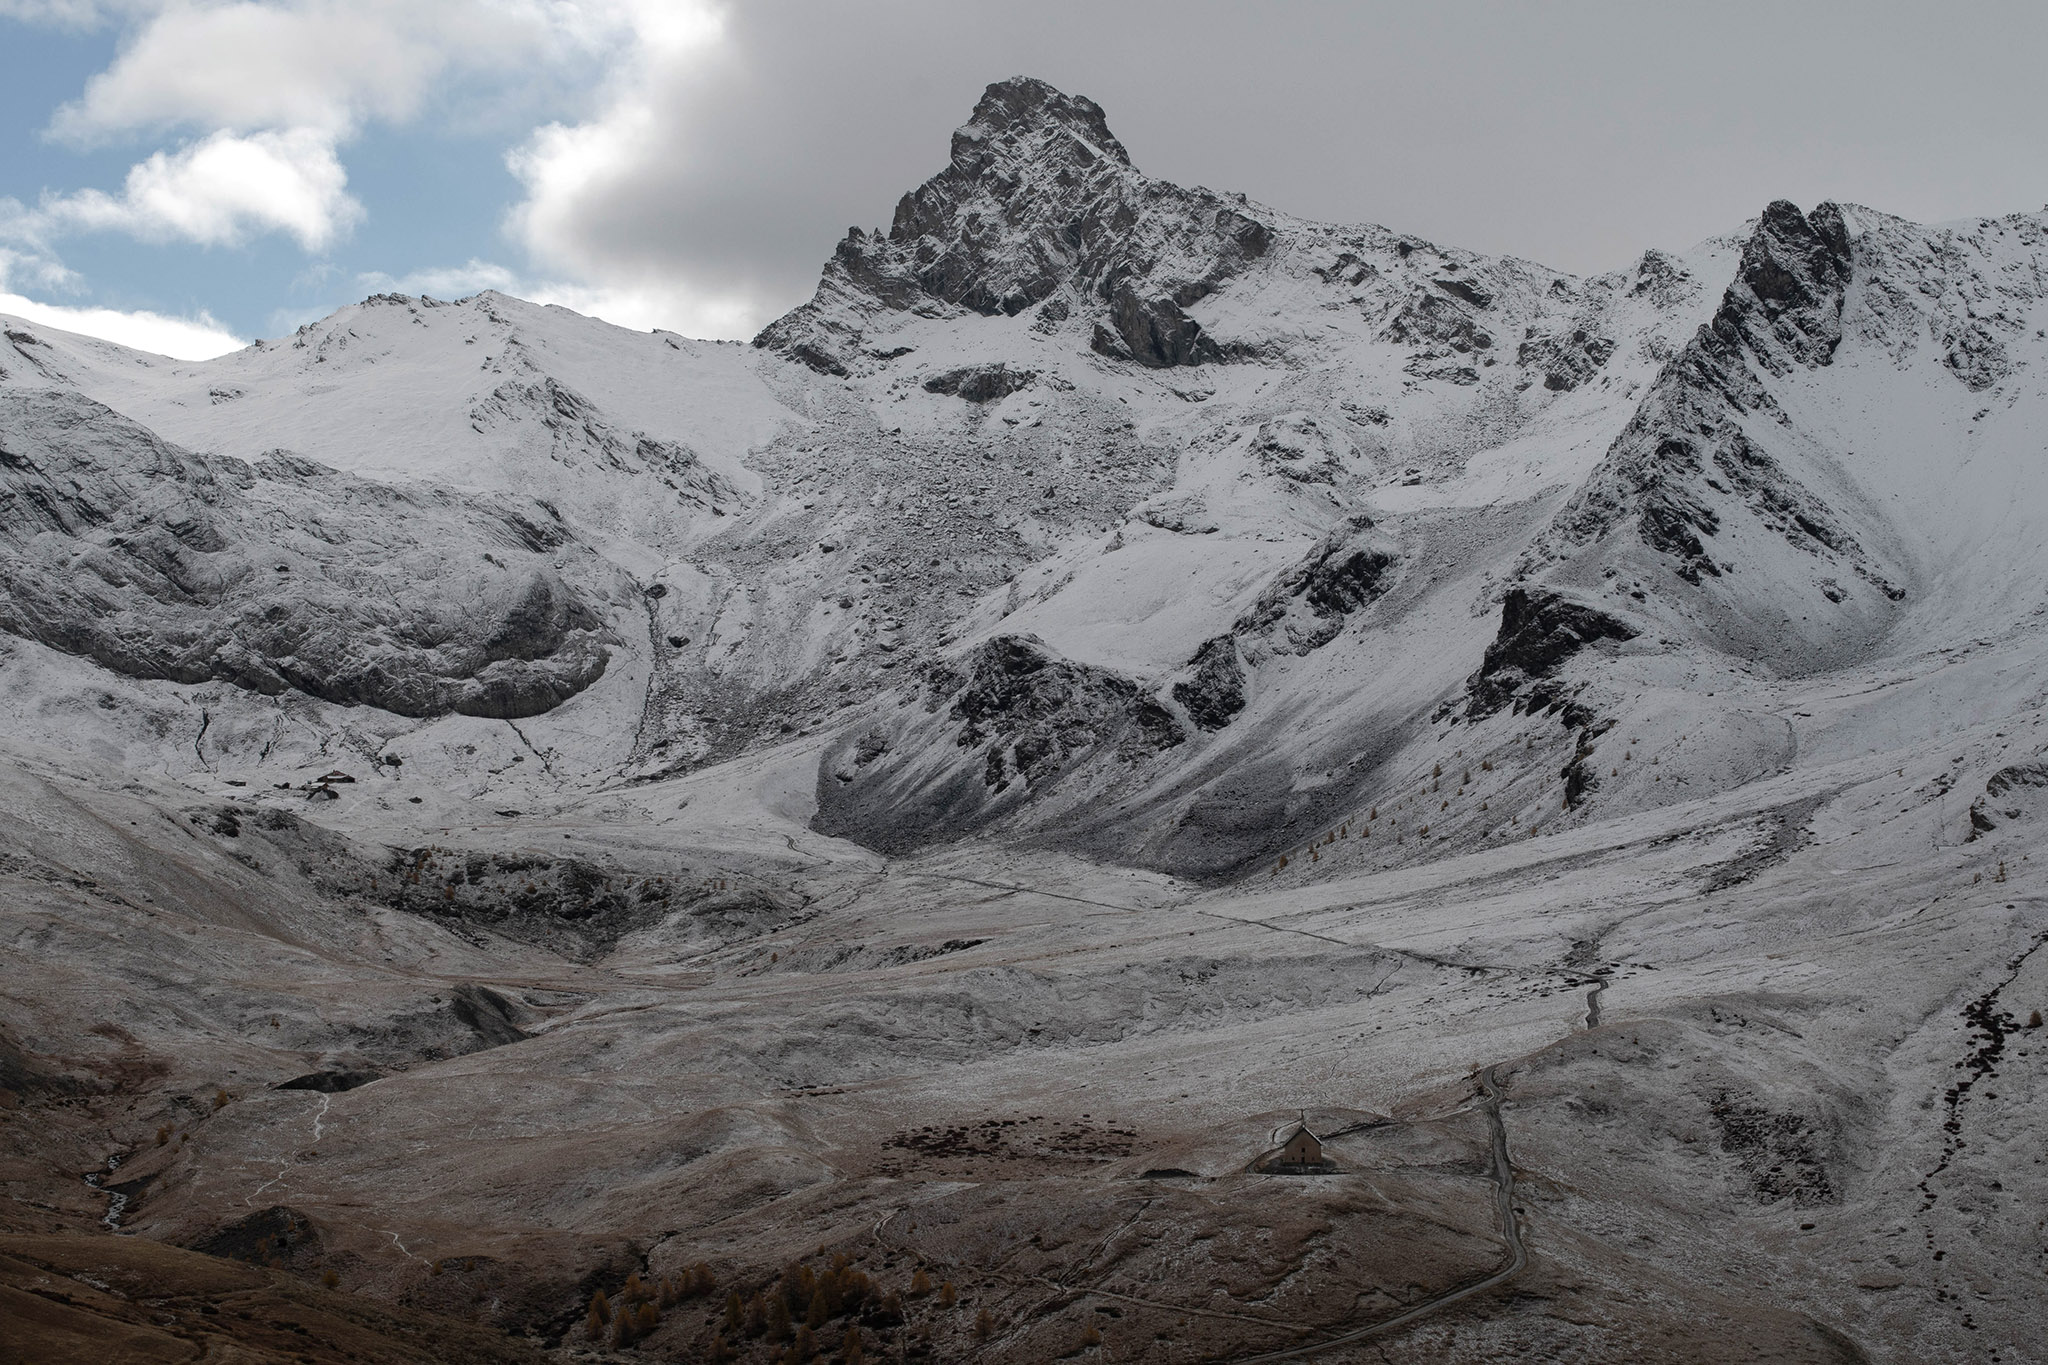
1302 1149
1301 1154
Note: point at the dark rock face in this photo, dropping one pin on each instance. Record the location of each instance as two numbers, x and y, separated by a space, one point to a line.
980 383
2014 778
1471 291
1010 722
1565 361
815 356
1153 332
1432 318
1038 208
1303 609
490 1016
1786 299
469 1018
330 1082
1582 774
566 905
159 563
1539 630
1214 693
1306 606
1042 711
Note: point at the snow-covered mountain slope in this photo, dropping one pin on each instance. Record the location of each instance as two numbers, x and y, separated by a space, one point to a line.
805 540
489 395
287 575
1164 526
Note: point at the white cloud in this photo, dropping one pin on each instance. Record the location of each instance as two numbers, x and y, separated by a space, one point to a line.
220 190
274 90
644 306
446 282
28 260
576 173
191 338
72 14
673 305
327 64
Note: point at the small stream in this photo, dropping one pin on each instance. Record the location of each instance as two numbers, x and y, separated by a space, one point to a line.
1593 1002
117 1202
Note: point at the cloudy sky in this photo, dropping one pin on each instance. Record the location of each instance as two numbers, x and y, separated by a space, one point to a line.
185 175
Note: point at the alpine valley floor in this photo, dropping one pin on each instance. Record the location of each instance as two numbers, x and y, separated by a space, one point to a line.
1801 1128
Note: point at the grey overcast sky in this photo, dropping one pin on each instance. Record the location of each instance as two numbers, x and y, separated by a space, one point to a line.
688 164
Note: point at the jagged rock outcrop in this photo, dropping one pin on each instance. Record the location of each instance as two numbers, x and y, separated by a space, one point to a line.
1539 631
284 575
1297 447
2009 794
1041 211
1705 484
1039 207
1786 300
1784 305
980 383
1214 691
1304 608
1565 361
1036 711
1007 723
1444 317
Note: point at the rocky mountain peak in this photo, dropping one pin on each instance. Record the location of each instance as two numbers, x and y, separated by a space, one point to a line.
1786 299
1024 120
1041 208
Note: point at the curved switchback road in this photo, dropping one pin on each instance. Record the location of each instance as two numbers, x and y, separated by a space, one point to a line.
1518 1255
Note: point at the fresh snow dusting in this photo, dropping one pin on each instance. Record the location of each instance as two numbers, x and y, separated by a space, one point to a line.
498 802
